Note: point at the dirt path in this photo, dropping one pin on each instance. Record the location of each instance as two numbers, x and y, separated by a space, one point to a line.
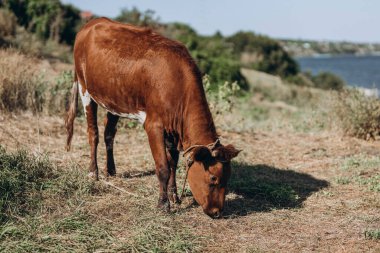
309 207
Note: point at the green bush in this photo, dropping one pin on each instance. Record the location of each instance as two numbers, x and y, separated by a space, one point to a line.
48 19
221 98
269 57
357 114
213 54
301 79
328 81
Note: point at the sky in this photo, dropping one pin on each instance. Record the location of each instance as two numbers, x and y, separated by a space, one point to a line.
335 20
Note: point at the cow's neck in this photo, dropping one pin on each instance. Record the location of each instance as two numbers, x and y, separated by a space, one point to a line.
198 125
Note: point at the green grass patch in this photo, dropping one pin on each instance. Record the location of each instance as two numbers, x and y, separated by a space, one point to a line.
372 234
364 170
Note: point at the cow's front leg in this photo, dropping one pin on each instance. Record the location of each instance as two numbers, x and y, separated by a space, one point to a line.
172 155
155 132
93 136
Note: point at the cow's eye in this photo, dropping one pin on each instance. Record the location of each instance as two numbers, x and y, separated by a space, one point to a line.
213 179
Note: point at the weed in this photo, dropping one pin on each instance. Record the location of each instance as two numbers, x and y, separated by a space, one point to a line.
60 94
372 234
343 180
221 98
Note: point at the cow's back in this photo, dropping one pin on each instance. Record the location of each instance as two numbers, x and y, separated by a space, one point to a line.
129 69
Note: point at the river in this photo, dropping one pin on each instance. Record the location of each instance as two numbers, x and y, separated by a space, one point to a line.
362 71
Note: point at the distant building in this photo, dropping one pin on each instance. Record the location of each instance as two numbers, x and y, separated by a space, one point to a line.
86 15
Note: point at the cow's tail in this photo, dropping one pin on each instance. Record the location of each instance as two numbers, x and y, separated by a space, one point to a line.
71 113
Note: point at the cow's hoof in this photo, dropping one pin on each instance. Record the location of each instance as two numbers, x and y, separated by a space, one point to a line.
174 198
109 173
164 205
93 175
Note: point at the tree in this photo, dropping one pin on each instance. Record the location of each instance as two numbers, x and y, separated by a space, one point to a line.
136 17
270 56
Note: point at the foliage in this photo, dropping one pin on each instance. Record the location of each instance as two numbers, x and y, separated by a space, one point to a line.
328 81
48 19
357 114
21 86
60 93
212 53
8 24
221 98
323 80
136 17
269 57
372 234
301 79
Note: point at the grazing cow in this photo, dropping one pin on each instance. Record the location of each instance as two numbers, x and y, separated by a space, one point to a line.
136 73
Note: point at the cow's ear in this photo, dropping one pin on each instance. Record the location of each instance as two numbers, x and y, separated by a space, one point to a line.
225 153
201 154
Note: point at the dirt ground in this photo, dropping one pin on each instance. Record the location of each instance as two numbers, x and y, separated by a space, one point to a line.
327 216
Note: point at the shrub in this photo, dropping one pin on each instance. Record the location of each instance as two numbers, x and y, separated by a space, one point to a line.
269 57
21 87
328 81
357 114
8 23
221 98
60 93
301 79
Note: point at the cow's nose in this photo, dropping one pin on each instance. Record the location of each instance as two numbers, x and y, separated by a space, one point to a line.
215 213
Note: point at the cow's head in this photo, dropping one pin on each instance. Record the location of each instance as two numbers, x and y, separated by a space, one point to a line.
209 169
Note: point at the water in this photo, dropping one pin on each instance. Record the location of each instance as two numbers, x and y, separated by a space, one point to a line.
362 71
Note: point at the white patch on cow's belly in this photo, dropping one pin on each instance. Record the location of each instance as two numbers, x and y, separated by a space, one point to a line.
85 97
140 115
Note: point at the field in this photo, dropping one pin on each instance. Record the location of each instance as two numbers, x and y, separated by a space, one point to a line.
297 186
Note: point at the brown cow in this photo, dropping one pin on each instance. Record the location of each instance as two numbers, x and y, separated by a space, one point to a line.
136 73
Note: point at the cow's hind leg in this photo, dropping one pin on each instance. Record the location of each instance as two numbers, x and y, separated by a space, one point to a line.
155 132
109 136
172 154
93 136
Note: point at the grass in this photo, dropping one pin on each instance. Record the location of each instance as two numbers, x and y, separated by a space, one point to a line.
363 170
21 85
372 234
44 210
21 179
